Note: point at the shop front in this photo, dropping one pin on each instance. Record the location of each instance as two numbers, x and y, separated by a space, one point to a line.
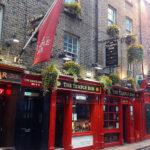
10 84
118 116
30 114
75 115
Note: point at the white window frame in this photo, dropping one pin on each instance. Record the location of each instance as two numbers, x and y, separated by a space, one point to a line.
112 14
66 47
129 25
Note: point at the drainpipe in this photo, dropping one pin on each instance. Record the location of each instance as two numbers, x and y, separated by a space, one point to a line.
96 31
140 31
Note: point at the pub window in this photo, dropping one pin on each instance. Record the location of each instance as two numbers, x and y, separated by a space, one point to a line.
71 45
111 15
111 113
147 113
81 117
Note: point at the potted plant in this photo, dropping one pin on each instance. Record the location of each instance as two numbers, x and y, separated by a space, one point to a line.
72 68
135 53
73 8
105 80
113 30
115 78
130 39
49 77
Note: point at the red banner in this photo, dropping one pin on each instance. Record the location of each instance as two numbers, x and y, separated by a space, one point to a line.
47 34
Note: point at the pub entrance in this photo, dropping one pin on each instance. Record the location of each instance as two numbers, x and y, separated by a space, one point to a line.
29 118
124 118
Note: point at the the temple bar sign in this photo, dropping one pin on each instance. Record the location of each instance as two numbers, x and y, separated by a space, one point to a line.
119 92
78 86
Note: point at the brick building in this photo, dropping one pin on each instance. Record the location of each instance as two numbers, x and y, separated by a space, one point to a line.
21 17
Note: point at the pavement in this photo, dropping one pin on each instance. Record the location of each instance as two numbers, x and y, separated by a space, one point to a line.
144 145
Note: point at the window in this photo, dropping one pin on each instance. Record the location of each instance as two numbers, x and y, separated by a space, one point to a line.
71 45
111 115
111 15
129 25
81 117
1 19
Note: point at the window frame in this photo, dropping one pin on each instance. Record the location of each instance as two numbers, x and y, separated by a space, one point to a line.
71 52
129 25
113 15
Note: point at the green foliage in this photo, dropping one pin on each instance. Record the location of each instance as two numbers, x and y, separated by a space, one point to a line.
73 8
49 77
113 30
72 68
105 80
135 53
130 39
115 78
131 81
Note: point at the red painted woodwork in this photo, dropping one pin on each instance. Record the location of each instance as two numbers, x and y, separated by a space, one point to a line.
52 119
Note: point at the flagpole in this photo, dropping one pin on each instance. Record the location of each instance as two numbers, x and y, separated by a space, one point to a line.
36 30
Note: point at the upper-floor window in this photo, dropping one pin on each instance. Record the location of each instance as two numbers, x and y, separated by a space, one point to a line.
111 15
1 19
71 44
129 25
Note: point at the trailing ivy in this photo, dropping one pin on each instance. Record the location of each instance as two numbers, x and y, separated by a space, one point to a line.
115 78
49 77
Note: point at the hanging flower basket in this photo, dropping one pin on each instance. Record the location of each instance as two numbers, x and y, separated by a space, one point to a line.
49 77
105 80
113 30
115 79
72 68
130 39
73 8
135 53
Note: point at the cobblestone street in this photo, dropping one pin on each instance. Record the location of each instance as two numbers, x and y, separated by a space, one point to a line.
144 145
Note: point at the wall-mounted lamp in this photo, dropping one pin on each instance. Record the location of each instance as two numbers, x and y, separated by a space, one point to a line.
65 57
97 66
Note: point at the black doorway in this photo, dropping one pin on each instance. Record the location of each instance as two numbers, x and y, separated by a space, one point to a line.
124 117
59 125
29 121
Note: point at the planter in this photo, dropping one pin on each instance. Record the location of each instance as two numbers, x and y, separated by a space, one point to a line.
130 39
73 9
113 31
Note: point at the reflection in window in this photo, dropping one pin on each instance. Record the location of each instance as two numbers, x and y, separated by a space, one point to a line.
81 118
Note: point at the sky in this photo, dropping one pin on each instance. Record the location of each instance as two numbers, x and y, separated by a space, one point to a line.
148 1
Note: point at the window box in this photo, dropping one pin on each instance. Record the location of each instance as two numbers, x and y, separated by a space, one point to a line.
73 9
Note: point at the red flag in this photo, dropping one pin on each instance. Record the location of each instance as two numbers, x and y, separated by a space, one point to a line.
47 34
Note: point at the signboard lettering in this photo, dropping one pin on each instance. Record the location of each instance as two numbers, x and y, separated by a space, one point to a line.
78 86
119 92
10 76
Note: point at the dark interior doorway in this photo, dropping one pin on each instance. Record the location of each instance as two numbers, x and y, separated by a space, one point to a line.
59 122
124 117
29 120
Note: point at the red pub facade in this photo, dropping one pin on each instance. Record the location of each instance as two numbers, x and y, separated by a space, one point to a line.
77 115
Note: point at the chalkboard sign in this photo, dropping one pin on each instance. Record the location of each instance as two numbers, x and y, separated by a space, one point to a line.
111 53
